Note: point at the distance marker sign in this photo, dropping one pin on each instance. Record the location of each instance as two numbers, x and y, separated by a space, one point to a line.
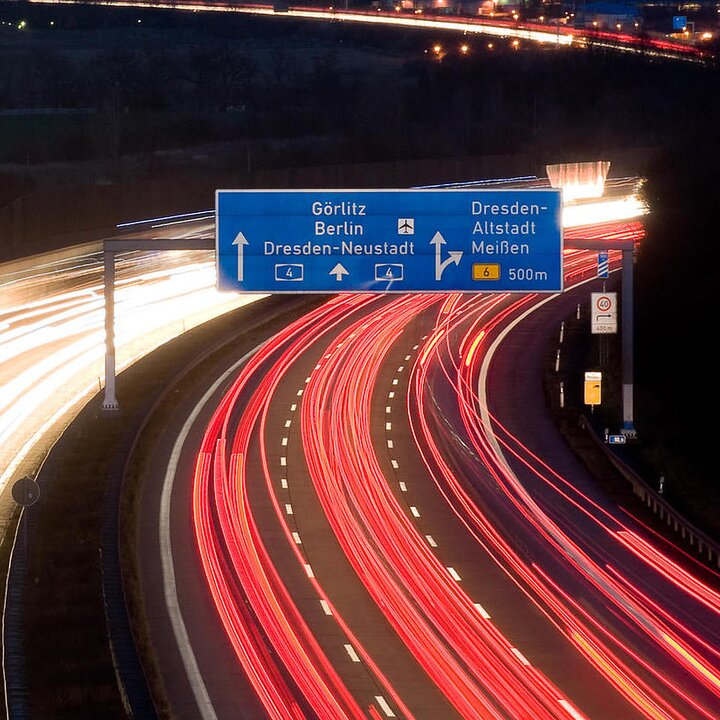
285 241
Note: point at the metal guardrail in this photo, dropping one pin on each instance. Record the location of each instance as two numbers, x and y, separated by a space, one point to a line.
707 549
13 656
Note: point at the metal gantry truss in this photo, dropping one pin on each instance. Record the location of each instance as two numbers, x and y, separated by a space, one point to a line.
111 248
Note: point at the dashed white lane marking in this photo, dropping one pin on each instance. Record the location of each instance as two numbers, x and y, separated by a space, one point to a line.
401 368
293 407
284 441
454 574
414 511
483 612
520 656
391 394
283 461
300 392
395 381
309 571
296 538
307 379
326 608
388 409
407 357
395 464
283 483
403 486
288 509
351 652
431 541
390 444
566 704
415 347
388 426
380 700
288 423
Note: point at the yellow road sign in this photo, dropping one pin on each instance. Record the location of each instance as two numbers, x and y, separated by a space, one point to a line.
486 271
593 388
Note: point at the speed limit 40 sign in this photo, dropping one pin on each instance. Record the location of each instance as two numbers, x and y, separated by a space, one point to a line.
603 313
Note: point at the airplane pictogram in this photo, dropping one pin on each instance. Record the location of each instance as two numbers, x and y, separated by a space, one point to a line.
406 226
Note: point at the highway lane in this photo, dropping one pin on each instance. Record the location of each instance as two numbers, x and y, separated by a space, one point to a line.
371 540
661 658
225 688
368 561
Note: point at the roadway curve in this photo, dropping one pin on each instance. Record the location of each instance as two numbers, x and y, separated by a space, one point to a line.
371 516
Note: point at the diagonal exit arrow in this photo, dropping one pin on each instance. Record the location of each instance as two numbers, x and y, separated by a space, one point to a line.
240 241
338 271
454 255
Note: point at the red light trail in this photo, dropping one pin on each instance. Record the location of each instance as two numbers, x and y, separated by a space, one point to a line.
662 662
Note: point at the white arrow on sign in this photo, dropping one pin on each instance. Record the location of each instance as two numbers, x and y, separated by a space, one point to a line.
338 271
240 241
438 241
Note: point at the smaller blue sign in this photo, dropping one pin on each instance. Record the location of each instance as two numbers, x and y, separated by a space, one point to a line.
289 272
617 439
679 22
603 261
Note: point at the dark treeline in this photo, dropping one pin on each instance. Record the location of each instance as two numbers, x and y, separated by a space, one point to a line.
165 83
677 359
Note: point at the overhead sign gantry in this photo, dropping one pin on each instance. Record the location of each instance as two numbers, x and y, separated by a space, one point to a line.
461 240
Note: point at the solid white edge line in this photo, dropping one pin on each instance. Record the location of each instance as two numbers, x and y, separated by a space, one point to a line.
172 602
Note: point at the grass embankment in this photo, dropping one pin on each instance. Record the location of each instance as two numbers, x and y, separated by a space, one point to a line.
70 667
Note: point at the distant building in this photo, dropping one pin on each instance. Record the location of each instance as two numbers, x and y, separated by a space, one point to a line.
476 7
457 7
607 15
437 6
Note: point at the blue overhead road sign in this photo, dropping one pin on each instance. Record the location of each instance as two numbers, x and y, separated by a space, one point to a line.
679 22
463 240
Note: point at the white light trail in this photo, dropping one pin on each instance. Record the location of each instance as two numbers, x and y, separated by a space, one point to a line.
52 348
555 36
629 207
